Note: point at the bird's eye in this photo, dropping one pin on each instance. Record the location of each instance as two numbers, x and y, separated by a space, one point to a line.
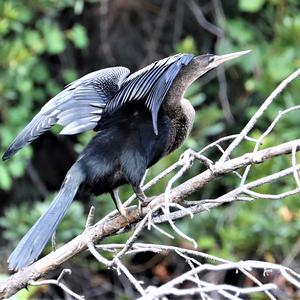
211 59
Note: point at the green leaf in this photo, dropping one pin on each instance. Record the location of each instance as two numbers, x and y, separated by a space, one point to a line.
5 179
187 45
34 41
206 242
4 26
55 41
251 6
240 31
52 87
69 75
16 167
279 66
78 36
40 73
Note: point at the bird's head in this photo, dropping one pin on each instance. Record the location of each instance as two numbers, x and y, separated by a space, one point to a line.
206 62
197 67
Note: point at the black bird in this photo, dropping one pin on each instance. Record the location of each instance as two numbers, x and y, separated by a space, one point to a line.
140 118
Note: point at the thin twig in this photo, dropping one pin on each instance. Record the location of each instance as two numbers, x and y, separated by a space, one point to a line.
257 115
58 283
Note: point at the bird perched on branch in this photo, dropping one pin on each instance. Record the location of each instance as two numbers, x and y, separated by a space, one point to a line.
139 118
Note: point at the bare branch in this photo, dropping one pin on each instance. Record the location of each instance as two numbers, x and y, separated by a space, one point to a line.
59 283
258 114
265 134
115 222
195 9
169 288
158 211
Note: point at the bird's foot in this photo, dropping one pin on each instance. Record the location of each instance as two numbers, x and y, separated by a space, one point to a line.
123 212
143 199
143 203
140 208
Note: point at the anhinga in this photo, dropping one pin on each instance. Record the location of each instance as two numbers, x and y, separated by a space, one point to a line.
140 118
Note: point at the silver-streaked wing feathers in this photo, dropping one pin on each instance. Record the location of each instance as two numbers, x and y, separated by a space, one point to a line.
78 107
150 84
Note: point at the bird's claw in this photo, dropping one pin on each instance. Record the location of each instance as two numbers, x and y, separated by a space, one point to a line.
123 213
143 203
140 208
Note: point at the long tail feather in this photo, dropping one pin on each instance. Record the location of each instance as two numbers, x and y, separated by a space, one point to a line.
33 243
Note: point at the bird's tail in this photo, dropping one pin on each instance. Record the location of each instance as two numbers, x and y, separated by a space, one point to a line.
33 243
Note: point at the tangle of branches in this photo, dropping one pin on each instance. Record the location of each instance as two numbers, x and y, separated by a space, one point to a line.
172 205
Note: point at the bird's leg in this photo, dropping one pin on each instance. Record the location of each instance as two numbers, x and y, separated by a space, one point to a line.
118 203
140 195
143 200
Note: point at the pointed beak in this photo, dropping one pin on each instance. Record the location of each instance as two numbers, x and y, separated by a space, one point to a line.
220 59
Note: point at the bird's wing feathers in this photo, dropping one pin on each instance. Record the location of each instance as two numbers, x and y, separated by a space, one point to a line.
78 107
150 84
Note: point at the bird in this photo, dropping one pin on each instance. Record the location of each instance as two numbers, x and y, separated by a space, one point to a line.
138 117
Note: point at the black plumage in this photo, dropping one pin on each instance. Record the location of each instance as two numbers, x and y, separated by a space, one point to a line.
140 118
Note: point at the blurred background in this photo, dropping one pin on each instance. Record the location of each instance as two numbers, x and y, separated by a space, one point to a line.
46 44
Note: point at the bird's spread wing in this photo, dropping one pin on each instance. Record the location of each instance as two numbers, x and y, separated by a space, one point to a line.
78 107
150 84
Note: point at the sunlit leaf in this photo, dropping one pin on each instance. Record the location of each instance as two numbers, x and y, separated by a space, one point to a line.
78 35
251 5
55 41
5 179
187 45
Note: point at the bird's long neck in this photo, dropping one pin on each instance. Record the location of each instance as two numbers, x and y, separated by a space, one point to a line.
184 79
180 110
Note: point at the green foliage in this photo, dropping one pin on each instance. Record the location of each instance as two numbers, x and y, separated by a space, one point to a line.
271 33
28 32
78 36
